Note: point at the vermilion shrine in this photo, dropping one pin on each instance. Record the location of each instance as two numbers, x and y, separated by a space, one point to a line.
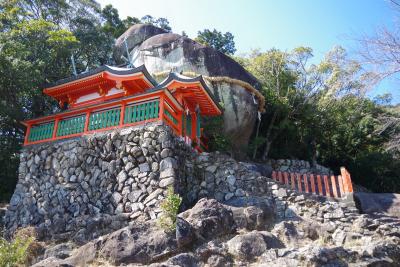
110 97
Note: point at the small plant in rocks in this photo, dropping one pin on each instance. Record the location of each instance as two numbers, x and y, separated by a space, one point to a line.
17 251
170 207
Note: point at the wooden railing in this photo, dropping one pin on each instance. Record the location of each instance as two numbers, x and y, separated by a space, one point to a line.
323 185
158 106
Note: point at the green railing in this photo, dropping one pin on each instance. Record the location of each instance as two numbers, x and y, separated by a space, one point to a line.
71 126
141 112
172 118
198 125
188 129
101 119
104 119
41 132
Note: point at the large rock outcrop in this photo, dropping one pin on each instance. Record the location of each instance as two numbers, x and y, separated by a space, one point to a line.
162 52
315 238
388 203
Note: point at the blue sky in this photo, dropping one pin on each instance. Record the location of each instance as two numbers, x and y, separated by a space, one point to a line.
283 24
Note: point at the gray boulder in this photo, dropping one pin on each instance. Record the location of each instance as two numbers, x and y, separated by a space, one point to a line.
60 251
184 232
250 245
210 219
143 243
134 36
387 203
162 52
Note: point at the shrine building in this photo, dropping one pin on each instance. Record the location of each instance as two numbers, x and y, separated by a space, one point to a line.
111 97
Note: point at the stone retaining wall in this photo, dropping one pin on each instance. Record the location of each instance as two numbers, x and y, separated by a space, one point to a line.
298 166
218 176
116 176
82 188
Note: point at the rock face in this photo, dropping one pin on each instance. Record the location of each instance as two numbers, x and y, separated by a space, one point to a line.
162 52
387 203
355 240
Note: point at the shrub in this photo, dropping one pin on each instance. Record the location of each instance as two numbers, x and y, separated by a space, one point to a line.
170 207
16 252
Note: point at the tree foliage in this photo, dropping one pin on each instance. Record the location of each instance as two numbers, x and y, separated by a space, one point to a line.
37 39
319 112
223 42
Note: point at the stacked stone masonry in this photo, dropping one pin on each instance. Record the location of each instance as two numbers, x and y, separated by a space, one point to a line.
104 181
298 166
115 177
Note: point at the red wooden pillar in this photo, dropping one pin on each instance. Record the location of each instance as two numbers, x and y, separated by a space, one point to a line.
334 188
56 122
194 126
161 116
28 132
87 118
122 114
312 181
180 123
320 192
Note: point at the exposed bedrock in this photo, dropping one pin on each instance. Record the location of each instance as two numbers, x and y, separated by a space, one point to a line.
163 52
370 203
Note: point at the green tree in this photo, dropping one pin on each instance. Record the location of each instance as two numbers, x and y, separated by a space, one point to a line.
37 39
319 112
162 23
33 52
113 24
223 42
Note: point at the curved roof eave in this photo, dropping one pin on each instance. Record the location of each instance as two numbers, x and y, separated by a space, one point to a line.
115 71
174 77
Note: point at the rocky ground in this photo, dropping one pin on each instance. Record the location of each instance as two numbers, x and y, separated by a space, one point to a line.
246 232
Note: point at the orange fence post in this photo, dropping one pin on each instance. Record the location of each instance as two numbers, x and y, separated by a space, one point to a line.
306 183
347 184
326 185
312 181
274 175
286 177
293 185
320 192
341 187
299 182
334 188
280 177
